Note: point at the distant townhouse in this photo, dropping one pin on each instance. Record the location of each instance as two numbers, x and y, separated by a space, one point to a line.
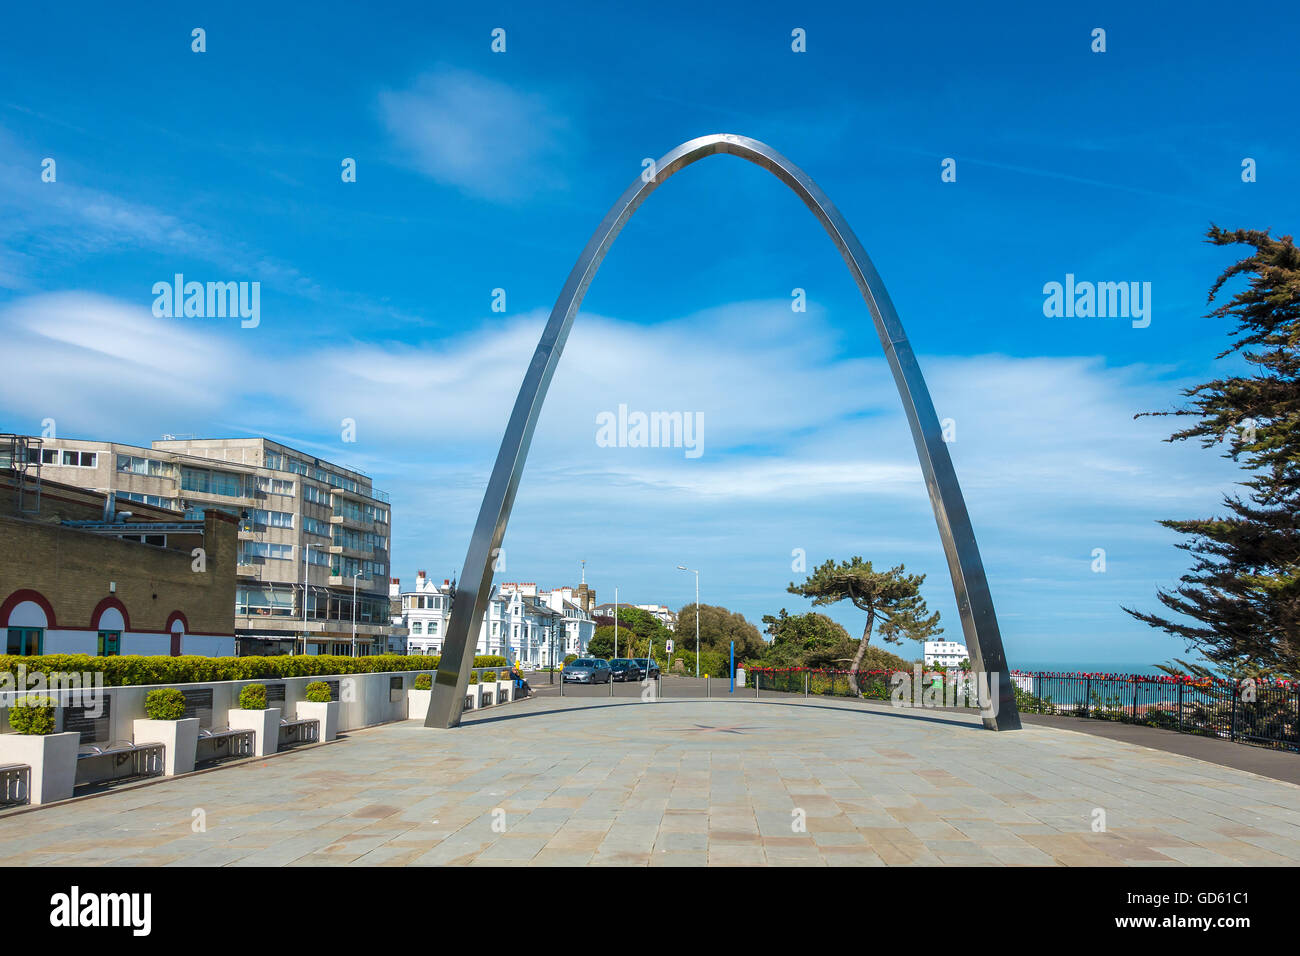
523 624
658 611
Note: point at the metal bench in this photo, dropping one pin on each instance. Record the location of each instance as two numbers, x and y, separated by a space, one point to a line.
223 743
302 730
15 784
123 758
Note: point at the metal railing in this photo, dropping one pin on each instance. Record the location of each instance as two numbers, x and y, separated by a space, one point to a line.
1261 712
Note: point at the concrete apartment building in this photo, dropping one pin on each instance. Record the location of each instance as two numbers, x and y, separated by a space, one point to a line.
308 531
522 624
79 577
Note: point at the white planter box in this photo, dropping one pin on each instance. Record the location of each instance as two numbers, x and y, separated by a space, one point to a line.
417 704
505 691
327 712
265 725
52 757
473 693
180 740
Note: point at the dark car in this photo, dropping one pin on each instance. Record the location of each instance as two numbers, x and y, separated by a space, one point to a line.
643 664
624 668
587 670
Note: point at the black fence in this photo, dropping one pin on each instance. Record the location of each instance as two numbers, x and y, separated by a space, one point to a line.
1264 713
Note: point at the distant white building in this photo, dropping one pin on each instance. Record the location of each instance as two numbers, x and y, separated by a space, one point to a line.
945 653
658 611
522 624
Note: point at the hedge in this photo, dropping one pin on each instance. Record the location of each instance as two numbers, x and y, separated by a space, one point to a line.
126 670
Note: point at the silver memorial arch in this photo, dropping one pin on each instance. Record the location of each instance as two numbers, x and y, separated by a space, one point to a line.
473 589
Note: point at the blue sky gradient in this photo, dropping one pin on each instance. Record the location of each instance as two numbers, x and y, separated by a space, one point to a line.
479 170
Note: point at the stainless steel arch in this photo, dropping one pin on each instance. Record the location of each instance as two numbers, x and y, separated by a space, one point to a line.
974 603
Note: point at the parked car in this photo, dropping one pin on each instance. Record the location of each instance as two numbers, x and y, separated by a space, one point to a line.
587 670
624 668
643 664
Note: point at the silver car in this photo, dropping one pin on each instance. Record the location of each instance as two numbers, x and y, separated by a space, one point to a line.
588 670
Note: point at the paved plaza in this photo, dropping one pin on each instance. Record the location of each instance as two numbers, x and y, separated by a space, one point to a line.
685 782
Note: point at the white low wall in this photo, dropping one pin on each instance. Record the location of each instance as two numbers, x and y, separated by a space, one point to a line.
364 700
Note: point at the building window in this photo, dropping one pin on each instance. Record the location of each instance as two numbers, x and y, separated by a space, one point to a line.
26 640
417 627
79 459
212 482
110 643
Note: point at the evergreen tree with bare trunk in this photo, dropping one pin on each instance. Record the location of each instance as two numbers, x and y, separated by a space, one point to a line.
893 597
1239 605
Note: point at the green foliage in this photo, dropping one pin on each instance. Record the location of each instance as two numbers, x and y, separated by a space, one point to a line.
252 697
134 669
318 692
166 703
489 677
33 715
893 597
1239 605
423 682
806 640
718 628
602 642
473 677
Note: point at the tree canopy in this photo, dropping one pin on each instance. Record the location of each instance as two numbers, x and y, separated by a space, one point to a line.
1239 605
718 628
893 597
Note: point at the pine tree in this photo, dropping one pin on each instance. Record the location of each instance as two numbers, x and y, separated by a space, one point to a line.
893 597
1243 590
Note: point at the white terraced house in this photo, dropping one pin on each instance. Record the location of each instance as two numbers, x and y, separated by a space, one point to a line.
522 624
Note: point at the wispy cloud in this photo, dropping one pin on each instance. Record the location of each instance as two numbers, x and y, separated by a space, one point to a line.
477 134
806 447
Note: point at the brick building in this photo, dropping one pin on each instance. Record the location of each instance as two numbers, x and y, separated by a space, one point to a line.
80 576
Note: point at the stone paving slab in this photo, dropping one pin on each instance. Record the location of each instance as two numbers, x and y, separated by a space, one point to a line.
686 783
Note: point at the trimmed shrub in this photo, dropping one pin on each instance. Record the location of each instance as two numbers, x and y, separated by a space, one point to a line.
490 677
423 682
318 692
167 703
33 715
253 697
133 669
473 677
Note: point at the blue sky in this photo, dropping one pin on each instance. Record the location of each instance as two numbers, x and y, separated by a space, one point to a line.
479 170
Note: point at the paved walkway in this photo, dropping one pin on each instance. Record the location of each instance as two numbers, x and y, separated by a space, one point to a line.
622 782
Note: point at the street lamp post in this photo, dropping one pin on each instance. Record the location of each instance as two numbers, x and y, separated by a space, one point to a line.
682 567
355 575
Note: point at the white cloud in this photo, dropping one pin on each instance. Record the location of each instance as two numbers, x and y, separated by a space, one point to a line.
806 447
476 134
